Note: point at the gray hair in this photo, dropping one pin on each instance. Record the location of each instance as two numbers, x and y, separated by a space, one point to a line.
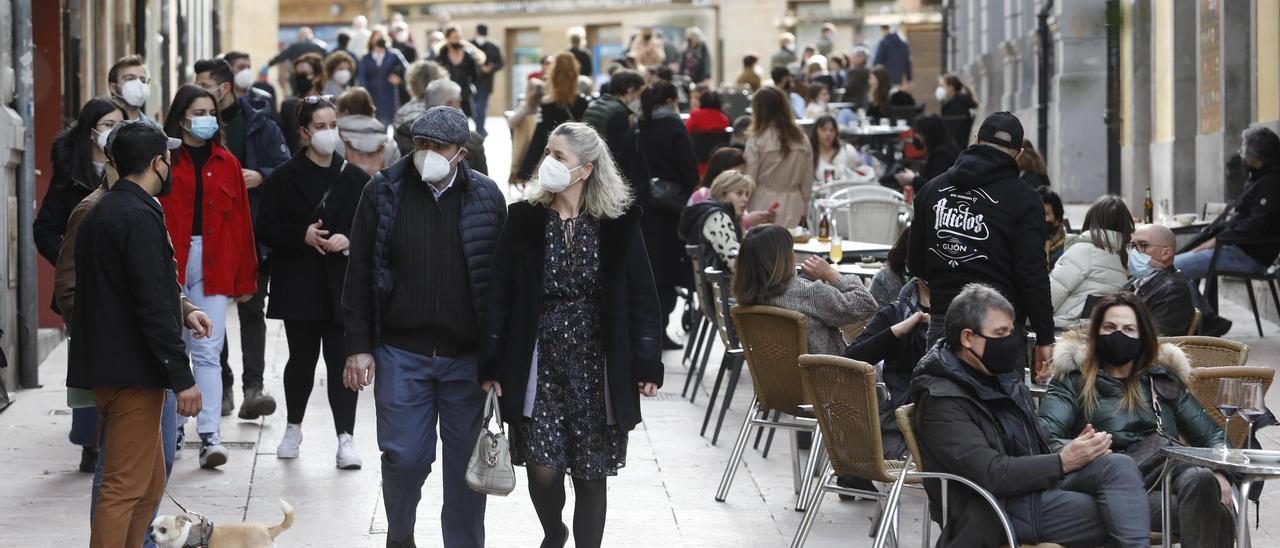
422 73
440 92
1261 144
607 193
970 308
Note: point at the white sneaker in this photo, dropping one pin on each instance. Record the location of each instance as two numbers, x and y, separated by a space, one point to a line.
288 448
348 458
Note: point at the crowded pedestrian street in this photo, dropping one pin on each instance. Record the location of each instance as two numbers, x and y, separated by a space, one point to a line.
639 273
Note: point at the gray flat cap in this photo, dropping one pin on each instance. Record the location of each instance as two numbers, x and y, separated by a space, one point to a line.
443 125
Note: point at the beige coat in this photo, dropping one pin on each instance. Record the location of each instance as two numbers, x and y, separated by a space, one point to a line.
787 180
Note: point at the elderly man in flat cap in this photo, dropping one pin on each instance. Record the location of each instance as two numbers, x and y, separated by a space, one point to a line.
422 248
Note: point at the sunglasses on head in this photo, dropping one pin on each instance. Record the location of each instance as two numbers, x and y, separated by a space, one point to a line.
313 99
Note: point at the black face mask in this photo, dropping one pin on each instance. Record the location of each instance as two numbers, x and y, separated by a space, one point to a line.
301 84
1050 229
382 43
1117 349
166 182
1001 354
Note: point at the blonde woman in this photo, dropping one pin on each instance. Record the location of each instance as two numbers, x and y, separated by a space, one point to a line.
715 225
572 330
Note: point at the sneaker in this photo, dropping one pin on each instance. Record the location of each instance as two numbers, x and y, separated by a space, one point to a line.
288 448
228 403
256 404
348 458
88 459
212 453
668 344
182 435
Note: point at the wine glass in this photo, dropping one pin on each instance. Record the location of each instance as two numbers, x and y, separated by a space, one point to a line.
1227 402
1252 406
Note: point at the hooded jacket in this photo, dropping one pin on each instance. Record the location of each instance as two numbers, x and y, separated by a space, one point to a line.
961 422
1181 414
977 222
1083 270
1253 215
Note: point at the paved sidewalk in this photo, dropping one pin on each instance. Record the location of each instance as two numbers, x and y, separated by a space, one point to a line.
664 497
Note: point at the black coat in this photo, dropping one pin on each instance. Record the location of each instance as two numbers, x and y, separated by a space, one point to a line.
66 189
939 160
669 150
1168 296
611 118
464 74
988 435
128 320
492 56
306 285
550 115
631 323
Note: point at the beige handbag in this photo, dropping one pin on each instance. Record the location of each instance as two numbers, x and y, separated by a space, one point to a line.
489 470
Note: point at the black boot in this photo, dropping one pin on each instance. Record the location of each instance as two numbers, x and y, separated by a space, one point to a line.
668 344
88 459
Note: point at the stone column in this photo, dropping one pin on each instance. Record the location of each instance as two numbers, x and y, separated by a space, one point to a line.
1135 156
1077 135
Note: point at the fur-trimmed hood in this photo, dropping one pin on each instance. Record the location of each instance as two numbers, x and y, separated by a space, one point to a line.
1069 353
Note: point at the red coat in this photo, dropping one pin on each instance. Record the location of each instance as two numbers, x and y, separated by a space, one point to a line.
230 254
706 120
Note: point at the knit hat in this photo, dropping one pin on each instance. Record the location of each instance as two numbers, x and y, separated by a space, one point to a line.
445 125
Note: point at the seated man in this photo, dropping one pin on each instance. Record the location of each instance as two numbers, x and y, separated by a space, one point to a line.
974 418
1157 282
1255 215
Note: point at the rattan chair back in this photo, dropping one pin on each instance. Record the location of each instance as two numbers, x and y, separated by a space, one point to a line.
1203 384
772 341
843 394
1195 324
1211 351
906 417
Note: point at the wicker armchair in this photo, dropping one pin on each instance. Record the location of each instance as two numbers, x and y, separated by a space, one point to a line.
772 341
1211 351
905 417
843 393
1203 384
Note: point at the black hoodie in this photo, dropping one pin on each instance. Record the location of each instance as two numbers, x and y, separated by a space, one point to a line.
978 222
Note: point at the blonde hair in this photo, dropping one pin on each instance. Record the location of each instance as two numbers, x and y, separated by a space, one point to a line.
607 194
730 181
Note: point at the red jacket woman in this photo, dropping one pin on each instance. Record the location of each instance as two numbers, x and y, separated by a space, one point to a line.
230 257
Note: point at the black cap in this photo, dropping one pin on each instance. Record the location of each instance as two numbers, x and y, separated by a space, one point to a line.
1002 128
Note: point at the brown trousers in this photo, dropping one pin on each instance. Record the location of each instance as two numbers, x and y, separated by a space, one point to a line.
133 470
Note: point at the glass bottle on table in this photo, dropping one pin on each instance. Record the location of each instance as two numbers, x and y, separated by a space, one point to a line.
1148 213
824 225
1227 402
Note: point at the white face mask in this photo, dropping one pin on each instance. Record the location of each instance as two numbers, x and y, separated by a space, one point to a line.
244 79
135 93
432 165
102 139
342 76
634 105
940 93
402 36
324 141
554 176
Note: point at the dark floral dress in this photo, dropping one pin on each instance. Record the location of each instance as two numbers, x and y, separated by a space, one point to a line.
569 429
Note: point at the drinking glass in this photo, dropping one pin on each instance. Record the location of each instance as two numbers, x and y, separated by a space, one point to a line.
837 244
1252 406
1227 402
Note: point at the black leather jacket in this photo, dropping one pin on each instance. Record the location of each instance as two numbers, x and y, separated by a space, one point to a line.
1169 297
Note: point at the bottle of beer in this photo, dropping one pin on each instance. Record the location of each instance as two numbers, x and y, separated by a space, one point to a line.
824 227
1148 213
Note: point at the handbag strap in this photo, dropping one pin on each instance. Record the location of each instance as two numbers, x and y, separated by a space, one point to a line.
319 209
1155 404
493 411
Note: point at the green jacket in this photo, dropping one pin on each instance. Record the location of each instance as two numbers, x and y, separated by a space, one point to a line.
1182 416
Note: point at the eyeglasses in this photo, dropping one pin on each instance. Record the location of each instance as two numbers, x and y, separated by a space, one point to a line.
314 99
1142 246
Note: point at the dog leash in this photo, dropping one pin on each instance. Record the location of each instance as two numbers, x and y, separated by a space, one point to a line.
206 524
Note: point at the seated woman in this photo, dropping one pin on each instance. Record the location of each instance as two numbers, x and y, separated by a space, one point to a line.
888 281
818 101
829 154
705 115
1055 230
713 225
766 274
722 160
1094 263
1104 381
940 148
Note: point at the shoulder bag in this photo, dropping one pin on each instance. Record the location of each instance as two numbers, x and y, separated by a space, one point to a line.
489 470
1149 453
666 196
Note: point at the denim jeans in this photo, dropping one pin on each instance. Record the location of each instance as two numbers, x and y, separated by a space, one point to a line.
480 108
412 393
1194 265
204 352
168 440
1105 500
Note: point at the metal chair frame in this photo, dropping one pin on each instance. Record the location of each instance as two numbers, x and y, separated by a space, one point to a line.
704 322
732 360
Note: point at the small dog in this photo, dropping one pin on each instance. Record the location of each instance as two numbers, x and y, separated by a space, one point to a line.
177 531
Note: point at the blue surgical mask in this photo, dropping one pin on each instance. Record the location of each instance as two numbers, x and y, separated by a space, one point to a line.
204 127
1139 263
